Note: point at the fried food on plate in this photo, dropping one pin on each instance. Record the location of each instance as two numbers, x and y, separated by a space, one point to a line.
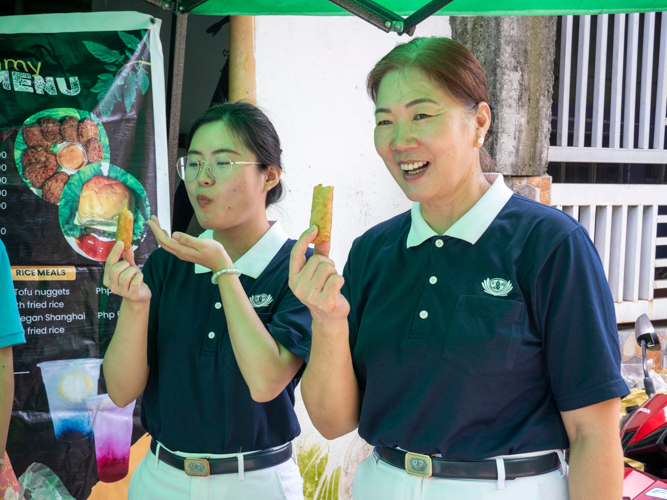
32 135
87 130
70 129
32 156
53 187
37 173
322 212
51 129
94 150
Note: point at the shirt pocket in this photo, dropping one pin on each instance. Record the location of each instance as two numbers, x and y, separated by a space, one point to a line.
484 334
230 358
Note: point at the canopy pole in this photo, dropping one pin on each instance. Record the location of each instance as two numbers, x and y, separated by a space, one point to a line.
242 83
174 94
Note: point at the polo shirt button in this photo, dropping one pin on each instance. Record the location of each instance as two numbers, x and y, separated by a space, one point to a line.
218 305
439 243
211 335
433 280
423 314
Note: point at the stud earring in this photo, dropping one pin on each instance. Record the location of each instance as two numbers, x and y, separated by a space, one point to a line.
480 140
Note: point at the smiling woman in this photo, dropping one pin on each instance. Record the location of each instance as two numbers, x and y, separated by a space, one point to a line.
209 330
471 339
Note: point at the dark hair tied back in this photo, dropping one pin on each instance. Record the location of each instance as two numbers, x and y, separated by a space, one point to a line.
248 124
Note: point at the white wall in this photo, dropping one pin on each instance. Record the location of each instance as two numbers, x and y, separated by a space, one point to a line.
311 76
311 81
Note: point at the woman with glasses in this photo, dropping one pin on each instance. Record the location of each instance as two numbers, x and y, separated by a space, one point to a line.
209 330
472 338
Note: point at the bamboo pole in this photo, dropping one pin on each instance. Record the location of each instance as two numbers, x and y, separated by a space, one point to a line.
242 85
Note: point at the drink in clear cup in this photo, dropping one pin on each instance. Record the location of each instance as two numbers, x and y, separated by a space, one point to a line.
68 383
112 427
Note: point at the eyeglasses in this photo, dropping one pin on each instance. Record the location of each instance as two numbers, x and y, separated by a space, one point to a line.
218 167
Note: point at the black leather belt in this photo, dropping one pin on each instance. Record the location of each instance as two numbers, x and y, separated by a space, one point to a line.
427 466
207 466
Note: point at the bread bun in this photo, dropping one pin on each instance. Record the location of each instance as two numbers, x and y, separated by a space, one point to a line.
102 199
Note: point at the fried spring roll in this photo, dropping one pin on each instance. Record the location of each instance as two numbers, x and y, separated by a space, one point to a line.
322 212
125 228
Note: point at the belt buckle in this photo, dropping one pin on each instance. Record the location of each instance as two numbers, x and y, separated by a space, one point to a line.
417 464
197 467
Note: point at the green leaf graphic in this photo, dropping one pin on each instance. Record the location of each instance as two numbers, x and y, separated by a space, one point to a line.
130 40
110 67
144 82
102 85
147 39
107 104
130 91
128 54
117 92
103 53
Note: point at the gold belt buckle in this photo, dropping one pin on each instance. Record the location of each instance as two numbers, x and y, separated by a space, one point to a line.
197 467
417 464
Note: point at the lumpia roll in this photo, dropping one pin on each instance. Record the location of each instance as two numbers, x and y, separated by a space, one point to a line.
322 212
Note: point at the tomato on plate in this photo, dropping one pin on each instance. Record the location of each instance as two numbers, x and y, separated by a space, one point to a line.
94 247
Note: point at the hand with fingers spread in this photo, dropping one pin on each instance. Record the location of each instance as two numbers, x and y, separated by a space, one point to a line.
316 282
203 251
123 277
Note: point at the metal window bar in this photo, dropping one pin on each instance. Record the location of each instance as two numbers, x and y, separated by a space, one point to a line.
629 104
582 81
564 81
600 79
623 222
661 99
647 78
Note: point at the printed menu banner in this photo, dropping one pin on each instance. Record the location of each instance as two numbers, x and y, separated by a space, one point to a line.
82 137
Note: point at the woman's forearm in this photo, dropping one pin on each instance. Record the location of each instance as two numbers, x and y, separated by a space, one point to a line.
596 468
266 366
125 362
329 386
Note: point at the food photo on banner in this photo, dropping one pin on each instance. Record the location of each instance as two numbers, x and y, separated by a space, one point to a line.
82 138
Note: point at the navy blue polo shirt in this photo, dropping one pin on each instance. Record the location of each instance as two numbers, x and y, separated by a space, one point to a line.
471 343
196 399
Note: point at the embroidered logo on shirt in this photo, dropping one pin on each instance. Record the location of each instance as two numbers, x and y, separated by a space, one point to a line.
497 287
261 300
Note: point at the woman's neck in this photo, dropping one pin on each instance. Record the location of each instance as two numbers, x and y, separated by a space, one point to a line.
441 214
239 239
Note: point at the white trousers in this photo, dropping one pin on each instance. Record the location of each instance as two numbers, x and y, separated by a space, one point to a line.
155 480
375 479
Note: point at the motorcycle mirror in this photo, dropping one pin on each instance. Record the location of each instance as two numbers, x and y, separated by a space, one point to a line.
644 332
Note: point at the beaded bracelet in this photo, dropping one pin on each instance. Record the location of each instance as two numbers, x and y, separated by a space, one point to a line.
231 270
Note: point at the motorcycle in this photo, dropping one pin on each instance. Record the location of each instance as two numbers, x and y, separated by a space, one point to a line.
644 430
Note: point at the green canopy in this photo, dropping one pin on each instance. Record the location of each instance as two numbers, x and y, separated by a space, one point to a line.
456 7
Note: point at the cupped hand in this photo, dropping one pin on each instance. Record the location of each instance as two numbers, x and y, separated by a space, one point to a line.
315 281
203 251
123 277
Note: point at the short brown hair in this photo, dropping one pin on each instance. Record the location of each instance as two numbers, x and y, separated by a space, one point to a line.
449 64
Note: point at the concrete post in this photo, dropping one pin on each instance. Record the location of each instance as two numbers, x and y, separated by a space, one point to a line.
517 54
242 82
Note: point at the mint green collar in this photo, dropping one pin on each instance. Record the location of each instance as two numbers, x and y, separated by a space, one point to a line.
471 226
254 261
